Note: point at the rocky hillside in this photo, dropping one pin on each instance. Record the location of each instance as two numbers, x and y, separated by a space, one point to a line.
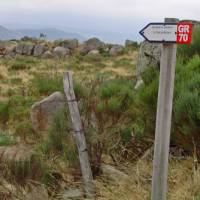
59 49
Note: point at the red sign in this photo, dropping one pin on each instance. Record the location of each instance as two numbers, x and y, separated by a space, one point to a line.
184 33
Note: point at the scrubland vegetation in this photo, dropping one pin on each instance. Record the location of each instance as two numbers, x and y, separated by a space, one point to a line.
119 122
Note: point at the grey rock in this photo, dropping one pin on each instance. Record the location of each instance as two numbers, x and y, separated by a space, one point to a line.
139 83
113 174
28 49
19 49
92 44
43 112
39 50
94 52
47 55
7 48
72 194
116 50
10 52
70 44
10 55
149 55
60 52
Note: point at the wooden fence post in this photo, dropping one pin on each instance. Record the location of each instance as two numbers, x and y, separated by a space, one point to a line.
79 136
163 119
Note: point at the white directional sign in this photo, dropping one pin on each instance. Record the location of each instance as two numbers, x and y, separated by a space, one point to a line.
168 32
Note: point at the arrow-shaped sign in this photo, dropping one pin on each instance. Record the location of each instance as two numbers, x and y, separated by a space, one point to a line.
168 32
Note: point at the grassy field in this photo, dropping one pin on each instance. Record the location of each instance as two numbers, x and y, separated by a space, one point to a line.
124 116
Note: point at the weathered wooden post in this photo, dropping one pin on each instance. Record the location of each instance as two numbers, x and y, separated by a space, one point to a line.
168 33
79 136
163 120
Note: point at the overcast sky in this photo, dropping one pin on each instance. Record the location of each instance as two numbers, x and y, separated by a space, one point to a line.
104 18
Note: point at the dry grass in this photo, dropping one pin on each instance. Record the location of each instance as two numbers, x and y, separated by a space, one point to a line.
182 183
117 71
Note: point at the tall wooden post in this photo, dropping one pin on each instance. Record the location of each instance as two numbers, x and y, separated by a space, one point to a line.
163 119
79 136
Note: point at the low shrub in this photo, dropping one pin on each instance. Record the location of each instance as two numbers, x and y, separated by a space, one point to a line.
116 96
15 81
24 129
186 104
15 109
46 84
23 63
92 58
4 112
6 139
188 51
18 66
59 141
123 62
19 107
186 117
57 132
20 171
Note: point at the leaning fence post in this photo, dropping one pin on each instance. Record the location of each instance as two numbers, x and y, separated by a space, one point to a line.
79 135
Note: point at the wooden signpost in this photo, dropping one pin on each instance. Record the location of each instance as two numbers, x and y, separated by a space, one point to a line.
168 33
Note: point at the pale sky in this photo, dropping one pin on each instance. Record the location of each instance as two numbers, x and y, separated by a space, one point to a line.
100 17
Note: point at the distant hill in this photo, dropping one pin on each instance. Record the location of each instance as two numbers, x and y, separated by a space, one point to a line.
51 33
6 34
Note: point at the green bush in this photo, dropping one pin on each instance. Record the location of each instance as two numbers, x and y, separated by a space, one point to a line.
57 132
15 109
186 111
15 81
116 96
187 51
18 66
123 62
6 140
104 52
46 84
24 129
23 63
79 90
19 107
126 134
4 112
197 197
186 104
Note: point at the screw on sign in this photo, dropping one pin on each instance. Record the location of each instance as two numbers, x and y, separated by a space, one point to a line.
184 33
